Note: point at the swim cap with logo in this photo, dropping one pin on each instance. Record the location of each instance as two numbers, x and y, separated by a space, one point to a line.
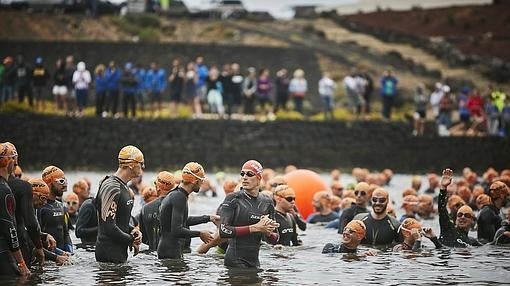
51 173
359 227
130 156
255 167
192 172
165 181
39 187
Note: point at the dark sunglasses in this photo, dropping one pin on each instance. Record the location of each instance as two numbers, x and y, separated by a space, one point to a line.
290 199
378 200
466 215
61 181
358 193
249 174
74 203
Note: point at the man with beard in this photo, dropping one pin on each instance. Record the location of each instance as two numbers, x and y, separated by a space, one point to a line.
361 191
489 220
114 202
174 214
247 216
52 216
382 229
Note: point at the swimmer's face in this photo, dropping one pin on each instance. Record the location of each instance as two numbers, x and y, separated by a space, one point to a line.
507 214
59 186
379 204
249 180
72 206
349 236
464 220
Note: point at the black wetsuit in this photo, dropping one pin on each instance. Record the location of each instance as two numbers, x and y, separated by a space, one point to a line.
451 235
29 232
287 229
380 232
52 219
8 235
238 211
489 222
150 223
86 224
175 222
337 248
349 214
113 203
318 218
499 237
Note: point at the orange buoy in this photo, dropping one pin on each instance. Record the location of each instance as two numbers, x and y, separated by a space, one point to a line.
305 183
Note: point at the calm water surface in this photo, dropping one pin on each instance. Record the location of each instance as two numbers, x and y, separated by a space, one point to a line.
304 265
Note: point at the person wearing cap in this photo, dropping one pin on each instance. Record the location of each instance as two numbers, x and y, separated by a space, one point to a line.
454 203
81 81
409 204
114 202
322 204
412 233
129 84
425 208
381 229
26 222
361 191
40 77
454 234
12 262
53 216
285 198
352 234
174 218
502 236
86 223
72 202
247 216
489 220
149 218
39 194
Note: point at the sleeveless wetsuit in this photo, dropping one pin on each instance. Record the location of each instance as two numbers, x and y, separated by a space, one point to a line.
174 224
86 224
113 203
238 211
29 232
380 232
8 235
450 235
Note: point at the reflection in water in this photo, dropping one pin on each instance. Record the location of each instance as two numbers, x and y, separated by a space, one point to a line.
176 271
239 276
110 273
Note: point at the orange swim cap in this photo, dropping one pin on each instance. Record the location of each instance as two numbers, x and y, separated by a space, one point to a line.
465 193
409 191
130 156
255 167
483 200
39 187
284 191
409 224
359 227
7 153
165 181
362 187
149 194
229 186
410 200
80 187
498 190
455 200
192 173
51 173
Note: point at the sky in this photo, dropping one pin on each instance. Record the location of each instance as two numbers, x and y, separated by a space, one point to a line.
283 8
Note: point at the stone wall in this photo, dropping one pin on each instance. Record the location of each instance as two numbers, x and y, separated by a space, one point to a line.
92 143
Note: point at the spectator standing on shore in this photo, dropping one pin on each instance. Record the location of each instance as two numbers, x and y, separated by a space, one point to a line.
237 88
101 87
113 75
353 92
282 89
215 92
141 92
298 87
24 81
8 80
368 89
129 84
176 85
202 74
40 76
249 89
225 78
71 95
327 89
420 113
190 89
59 87
156 83
81 80
388 92
445 112
264 87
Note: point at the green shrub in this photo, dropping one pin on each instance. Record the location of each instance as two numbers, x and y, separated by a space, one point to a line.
143 20
149 35
289 115
15 107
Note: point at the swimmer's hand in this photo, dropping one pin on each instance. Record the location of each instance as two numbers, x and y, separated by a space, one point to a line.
206 236
135 248
428 233
265 225
61 260
51 242
278 246
371 252
215 219
39 255
446 179
137 235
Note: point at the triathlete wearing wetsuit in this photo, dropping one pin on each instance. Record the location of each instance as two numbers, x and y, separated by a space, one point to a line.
174 222
150 223
319 218
238 211
450 235
379 232
8 235
349 214
287 229
51 217
86 225
489 222
29 232
337 248
500 237
113 203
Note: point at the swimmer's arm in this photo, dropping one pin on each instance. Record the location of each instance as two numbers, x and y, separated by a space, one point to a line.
194 220
178 229
84 216
445 223
227 230
436 242
49 255
29 217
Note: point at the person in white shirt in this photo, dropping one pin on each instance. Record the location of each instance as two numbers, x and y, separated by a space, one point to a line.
81 81
327 88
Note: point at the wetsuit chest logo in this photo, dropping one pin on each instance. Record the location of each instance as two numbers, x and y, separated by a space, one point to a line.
58 213
130 202
287 230
10 204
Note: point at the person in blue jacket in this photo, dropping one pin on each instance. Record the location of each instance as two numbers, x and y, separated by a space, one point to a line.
156 81
141 92
113 75
100 82
129 84
388 92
